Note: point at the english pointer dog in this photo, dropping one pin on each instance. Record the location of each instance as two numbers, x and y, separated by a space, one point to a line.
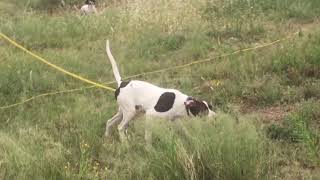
135 96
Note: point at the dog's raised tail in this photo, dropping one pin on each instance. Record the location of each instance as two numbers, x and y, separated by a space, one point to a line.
113 64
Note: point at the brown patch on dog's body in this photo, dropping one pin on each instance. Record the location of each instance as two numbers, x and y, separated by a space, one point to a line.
165 102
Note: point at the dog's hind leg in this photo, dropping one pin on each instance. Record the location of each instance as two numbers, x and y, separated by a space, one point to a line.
127 116
117 117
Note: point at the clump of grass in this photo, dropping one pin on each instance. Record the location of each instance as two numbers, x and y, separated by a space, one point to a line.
294 9
239 20
270 79
170 16
197 149
21 158
312 90
301 127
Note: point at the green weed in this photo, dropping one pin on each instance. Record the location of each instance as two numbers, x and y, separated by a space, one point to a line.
303 128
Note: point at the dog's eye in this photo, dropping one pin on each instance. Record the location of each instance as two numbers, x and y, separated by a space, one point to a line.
210 107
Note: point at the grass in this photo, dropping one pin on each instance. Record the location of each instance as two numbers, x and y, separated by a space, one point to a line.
61 137
301 128
202 149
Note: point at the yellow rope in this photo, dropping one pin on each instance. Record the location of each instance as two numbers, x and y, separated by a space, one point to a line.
156 71
42 95
213 58
48 94
53 65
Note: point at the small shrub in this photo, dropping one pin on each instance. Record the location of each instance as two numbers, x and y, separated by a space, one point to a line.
301 127
221 149
281 133
174 42
262 92
311 90
42 4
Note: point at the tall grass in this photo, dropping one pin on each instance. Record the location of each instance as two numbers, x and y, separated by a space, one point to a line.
301 128
220 149
193 149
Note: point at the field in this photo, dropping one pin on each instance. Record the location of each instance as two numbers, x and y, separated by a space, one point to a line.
267 99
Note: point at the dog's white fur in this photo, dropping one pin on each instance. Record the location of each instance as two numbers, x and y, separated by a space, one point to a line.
146 96
87 9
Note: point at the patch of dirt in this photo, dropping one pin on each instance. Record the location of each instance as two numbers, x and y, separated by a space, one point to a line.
310 27
269 114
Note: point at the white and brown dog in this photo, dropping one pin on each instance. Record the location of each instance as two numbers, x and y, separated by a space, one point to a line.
133 96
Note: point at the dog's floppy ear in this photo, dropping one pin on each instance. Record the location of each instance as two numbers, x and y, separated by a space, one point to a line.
188 103
196 107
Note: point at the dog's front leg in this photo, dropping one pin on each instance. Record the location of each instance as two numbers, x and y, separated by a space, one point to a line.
112 121
148 131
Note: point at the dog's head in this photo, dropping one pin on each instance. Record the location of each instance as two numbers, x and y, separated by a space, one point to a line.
198 108
90 2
